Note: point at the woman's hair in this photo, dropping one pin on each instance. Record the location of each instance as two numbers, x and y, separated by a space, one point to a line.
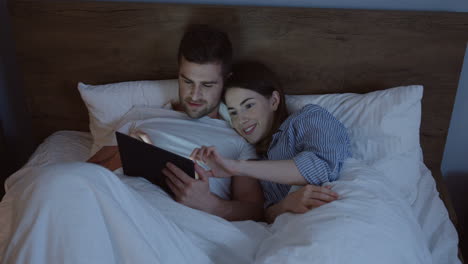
259 78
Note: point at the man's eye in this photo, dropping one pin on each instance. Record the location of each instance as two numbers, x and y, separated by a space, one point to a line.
207 85
187 81
232 113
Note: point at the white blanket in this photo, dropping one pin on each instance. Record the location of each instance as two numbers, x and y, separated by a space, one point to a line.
83 213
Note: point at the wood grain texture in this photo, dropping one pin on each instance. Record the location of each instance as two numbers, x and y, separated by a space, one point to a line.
314 51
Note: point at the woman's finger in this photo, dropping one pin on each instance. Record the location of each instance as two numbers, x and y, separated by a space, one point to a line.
202 173
313 203
314 188
194 154
202 153
319 193
321 196
211 153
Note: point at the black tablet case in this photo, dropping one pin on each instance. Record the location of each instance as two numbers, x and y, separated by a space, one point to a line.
141 159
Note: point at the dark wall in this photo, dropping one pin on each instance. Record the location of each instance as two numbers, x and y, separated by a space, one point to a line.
16 143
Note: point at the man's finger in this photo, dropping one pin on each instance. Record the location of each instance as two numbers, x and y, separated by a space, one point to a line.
173 188
169 175
180 174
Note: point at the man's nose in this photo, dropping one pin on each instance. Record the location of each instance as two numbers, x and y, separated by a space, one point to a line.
196 93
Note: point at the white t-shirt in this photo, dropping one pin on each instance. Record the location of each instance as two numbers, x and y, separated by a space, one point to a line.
178 133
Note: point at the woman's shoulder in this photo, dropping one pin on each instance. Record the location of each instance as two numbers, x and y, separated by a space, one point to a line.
308 110
310 116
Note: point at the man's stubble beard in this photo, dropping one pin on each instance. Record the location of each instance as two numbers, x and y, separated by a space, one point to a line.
198 114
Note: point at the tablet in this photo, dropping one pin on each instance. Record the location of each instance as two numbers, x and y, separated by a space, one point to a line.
140 159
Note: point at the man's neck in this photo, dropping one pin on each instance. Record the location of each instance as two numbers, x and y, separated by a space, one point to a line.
178 107
215 114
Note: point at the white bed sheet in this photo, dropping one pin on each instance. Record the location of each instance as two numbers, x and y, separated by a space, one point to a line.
431 214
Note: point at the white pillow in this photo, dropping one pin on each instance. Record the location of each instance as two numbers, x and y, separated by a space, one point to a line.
383 127
380 124
109 102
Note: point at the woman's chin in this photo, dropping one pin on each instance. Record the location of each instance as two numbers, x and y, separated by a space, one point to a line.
252 141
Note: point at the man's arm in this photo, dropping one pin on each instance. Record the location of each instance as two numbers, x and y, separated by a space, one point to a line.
246 202
108 157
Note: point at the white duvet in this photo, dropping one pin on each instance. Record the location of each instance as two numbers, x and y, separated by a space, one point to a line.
96 216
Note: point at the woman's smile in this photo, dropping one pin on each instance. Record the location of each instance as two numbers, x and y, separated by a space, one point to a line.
250 129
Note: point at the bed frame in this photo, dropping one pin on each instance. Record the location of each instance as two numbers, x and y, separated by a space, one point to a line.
59 43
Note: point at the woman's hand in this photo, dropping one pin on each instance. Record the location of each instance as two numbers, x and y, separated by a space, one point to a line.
307 198
220 167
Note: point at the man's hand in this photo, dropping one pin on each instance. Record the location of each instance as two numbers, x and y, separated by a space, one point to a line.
307 198
189 191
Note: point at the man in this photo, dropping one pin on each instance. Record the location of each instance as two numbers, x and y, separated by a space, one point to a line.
204 57
83 213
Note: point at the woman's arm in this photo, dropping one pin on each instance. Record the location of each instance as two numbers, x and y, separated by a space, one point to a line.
318 142
280 171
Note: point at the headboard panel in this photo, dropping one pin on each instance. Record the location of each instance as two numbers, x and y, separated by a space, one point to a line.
314 50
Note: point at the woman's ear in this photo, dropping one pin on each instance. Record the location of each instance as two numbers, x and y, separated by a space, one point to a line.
275 100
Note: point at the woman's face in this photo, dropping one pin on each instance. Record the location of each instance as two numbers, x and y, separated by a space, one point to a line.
252 114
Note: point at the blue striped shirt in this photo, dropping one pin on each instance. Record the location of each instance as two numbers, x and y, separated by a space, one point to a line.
316 141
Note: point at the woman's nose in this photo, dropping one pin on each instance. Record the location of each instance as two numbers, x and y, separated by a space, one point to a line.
243 118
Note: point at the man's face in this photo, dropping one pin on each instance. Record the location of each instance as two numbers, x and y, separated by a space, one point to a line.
200 88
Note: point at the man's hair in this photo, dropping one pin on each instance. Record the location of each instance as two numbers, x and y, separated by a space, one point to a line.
204 44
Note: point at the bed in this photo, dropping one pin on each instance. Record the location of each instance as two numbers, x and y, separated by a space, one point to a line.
330 51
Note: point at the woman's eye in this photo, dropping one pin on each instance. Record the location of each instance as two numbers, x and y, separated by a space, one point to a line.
248 106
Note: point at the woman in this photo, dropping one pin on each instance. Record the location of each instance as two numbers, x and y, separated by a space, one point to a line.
306 148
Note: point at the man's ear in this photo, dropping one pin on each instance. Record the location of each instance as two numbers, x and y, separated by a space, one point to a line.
275 100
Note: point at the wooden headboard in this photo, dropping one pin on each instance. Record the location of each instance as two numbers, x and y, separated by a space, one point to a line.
59 43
